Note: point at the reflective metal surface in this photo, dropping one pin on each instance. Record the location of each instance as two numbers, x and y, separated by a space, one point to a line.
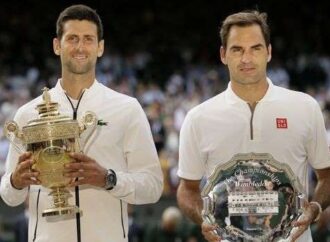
253 197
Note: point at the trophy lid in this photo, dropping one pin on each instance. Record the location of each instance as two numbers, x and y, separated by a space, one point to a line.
51 124
48 111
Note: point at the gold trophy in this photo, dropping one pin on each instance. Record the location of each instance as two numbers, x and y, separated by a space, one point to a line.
51 138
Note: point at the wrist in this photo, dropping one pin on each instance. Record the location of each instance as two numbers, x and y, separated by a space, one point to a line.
110 179
13 184
318 208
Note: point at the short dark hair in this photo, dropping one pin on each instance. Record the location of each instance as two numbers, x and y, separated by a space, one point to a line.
245 18
79 12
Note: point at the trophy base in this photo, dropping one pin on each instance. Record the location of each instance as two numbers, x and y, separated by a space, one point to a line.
61 211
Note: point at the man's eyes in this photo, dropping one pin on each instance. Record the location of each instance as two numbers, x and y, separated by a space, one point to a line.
236 50
72 38
240 50
88 39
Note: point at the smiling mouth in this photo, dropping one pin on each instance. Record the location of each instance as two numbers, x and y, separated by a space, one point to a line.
80 57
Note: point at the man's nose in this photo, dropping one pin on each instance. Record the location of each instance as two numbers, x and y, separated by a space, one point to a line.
246 57
80 44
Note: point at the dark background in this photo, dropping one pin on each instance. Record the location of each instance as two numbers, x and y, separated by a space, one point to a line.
163 28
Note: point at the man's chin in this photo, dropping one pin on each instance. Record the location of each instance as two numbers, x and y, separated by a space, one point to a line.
79 70
248 81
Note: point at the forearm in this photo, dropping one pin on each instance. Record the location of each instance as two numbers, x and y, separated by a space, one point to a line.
10 195
139 187
321 194
190 203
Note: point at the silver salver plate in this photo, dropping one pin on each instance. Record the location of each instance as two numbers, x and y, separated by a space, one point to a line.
253 197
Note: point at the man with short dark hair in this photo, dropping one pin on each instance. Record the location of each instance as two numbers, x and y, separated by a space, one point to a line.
118 167
252 115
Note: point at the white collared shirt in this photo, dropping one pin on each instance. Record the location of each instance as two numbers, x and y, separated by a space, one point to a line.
286 124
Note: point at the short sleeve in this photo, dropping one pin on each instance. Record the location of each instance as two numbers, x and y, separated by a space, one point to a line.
191 162
317 147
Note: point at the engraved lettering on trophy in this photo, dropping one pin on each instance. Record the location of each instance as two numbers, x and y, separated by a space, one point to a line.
229 180
272 176
253 203
248 183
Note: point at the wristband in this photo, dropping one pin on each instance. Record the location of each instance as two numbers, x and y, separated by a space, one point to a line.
320 210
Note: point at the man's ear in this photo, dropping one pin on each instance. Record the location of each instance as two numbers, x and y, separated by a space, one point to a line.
56 46
223 55
269 53
100 48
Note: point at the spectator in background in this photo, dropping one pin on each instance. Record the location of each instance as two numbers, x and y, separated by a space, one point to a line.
135 230
4 146
278 73
154 115
168 230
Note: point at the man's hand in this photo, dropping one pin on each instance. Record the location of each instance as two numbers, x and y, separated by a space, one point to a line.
209 233
190 203
311 211
24 176
86 169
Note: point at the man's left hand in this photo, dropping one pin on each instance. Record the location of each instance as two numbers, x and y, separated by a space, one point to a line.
311 211
86 169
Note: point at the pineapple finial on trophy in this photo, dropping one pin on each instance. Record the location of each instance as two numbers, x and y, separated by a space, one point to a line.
45 95
47 108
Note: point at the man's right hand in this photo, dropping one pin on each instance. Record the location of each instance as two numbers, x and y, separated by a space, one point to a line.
24 176
209 233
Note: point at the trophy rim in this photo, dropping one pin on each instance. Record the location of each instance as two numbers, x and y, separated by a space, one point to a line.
253 156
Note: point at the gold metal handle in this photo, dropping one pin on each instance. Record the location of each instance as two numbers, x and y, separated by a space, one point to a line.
14 135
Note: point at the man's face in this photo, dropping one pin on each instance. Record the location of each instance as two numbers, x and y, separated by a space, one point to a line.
246 54
79 47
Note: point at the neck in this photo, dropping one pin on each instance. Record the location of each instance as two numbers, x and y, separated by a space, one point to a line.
251 93
75 84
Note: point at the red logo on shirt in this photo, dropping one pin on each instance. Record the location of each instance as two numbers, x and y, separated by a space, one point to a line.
281 123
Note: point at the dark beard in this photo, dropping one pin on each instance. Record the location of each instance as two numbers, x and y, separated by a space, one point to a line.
79 69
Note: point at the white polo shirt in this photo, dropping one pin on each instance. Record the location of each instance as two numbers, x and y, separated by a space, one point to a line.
286 124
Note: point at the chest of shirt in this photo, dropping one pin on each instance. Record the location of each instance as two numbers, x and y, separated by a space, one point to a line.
275 129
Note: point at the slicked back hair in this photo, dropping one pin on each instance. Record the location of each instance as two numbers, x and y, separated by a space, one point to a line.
242 19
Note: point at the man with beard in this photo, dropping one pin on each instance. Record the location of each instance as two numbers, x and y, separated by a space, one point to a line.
118 167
